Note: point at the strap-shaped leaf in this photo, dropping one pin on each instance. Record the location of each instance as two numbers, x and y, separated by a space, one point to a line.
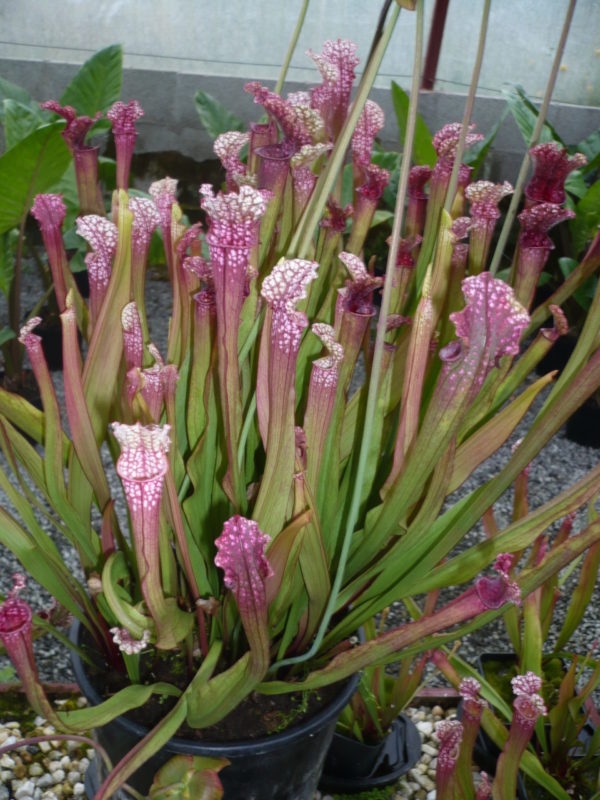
48 572
31 167
82 433
484 442
82 719
104 355
211 701
129 617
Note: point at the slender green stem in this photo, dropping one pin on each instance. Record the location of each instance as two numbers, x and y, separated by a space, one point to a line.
15 348
301 242
371 406
292 46
41 302
246 429
460 148
539 124
251 338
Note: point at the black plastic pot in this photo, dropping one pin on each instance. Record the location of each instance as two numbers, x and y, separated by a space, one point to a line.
353 766
284 766
50 330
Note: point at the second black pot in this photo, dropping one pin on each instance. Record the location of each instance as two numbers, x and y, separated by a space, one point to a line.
353 766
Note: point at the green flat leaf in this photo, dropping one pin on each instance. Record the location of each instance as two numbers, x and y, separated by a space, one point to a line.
22 414
97 85
8 248
6 335
105 350
525 115
490 436
381 215
210 700
45 571
423 149
575 184
34 165
585 224
586 292
214 117
10 91
388 159
475 155
19 121
107 173
590 147
123 701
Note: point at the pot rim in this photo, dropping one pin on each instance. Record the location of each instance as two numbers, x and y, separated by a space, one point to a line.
247 747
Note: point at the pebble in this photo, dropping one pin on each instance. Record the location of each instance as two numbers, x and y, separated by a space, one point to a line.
25 791
425 727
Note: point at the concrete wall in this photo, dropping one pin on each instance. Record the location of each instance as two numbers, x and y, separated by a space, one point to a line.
250 37
174 49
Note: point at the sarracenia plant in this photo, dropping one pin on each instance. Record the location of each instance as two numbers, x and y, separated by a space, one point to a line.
273 509
567 680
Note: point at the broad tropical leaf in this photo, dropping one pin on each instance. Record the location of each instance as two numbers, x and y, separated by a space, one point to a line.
214 116
34 165
423 150
19 121
97 85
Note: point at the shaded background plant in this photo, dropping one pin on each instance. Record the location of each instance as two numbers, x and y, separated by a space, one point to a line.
37 159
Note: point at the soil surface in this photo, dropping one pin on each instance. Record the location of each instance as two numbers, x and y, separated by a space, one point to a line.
257 716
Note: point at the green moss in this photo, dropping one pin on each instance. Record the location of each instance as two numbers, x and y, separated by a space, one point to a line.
386 793
14 707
